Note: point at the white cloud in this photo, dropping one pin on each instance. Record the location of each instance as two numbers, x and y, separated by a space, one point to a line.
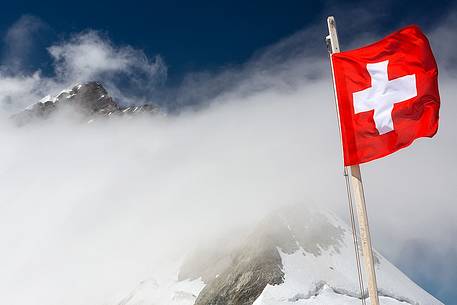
16 90
89 56
20 41
88 211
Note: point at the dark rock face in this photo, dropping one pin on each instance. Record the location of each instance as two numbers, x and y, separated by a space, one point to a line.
89 99
245 282
247 272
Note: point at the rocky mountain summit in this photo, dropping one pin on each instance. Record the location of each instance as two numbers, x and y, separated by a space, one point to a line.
293 257
89 99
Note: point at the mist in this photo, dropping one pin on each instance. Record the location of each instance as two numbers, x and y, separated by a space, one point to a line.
90 210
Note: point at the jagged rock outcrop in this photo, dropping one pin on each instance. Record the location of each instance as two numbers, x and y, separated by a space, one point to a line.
251 269
89 100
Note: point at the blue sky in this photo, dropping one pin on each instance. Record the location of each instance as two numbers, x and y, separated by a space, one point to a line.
214 36
202 35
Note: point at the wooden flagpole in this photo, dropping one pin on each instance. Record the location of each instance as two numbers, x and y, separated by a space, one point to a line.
357 187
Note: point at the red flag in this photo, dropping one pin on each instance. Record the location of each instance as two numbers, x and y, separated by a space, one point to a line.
387 95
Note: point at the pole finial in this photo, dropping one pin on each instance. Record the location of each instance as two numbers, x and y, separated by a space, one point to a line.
335 47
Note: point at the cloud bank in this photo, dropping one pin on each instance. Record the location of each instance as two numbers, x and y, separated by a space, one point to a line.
88 211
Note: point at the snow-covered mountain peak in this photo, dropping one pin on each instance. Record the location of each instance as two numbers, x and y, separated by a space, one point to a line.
90 100
295 256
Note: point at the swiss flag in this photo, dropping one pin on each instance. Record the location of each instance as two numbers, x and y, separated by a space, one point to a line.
387 95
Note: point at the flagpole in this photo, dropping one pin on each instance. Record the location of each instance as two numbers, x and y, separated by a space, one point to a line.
357 187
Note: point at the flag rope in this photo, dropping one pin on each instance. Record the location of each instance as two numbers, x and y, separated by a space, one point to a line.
354 237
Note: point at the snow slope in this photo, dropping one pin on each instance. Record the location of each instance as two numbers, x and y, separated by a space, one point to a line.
169 292
330 278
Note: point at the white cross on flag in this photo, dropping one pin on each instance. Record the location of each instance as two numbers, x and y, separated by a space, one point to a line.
387 95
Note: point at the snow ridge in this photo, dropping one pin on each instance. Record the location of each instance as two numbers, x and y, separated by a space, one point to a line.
321 286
